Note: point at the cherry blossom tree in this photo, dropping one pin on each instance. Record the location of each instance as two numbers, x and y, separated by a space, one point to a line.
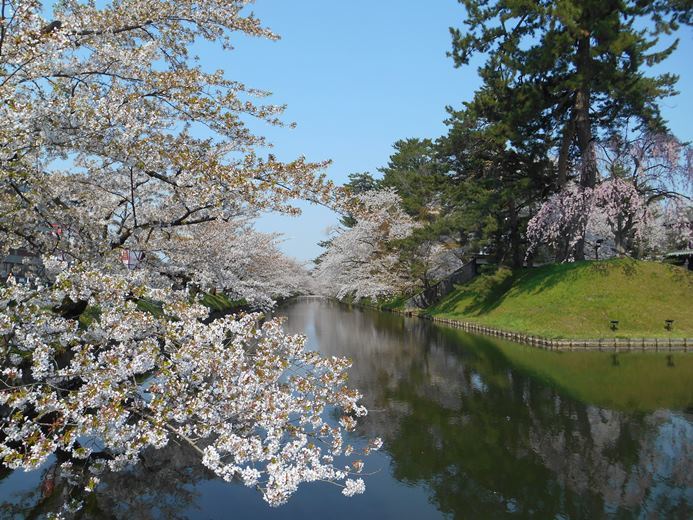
247 397
622 213
613 213
230 256
116 141
673 225
361 260
101 108
658 165
561 222
641 205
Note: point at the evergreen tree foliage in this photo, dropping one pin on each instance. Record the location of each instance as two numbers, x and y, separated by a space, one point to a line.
576 67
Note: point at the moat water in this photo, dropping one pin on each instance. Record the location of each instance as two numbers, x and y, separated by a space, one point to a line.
472 428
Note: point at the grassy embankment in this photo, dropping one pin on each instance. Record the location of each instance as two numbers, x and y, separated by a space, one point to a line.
578 300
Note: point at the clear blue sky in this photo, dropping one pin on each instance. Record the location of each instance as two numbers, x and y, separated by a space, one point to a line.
359 75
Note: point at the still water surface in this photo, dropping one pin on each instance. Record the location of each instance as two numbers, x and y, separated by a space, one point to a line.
470 430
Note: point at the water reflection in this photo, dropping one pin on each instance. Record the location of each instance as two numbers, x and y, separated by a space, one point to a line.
160 486
488 440
468 434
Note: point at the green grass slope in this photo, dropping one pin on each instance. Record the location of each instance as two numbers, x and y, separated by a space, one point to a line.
578 300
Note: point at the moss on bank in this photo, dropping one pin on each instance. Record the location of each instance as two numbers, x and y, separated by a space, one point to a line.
578 300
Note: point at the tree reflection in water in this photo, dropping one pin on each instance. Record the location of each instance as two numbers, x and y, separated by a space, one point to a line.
464 428
488 440
159 486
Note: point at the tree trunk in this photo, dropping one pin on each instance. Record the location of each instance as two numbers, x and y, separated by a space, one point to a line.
583 126
583 123
619 238
580 250
515 236
566 141
499 243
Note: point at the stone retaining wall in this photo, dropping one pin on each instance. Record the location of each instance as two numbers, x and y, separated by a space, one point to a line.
437 292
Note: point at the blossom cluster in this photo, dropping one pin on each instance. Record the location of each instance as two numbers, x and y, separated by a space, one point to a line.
562 220
359 260
116 144
250 399
230 256
100 148
615 213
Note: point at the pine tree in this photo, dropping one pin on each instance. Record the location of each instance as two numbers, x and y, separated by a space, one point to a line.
575 67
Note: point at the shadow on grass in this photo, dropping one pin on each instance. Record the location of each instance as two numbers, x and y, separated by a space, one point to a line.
488 292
